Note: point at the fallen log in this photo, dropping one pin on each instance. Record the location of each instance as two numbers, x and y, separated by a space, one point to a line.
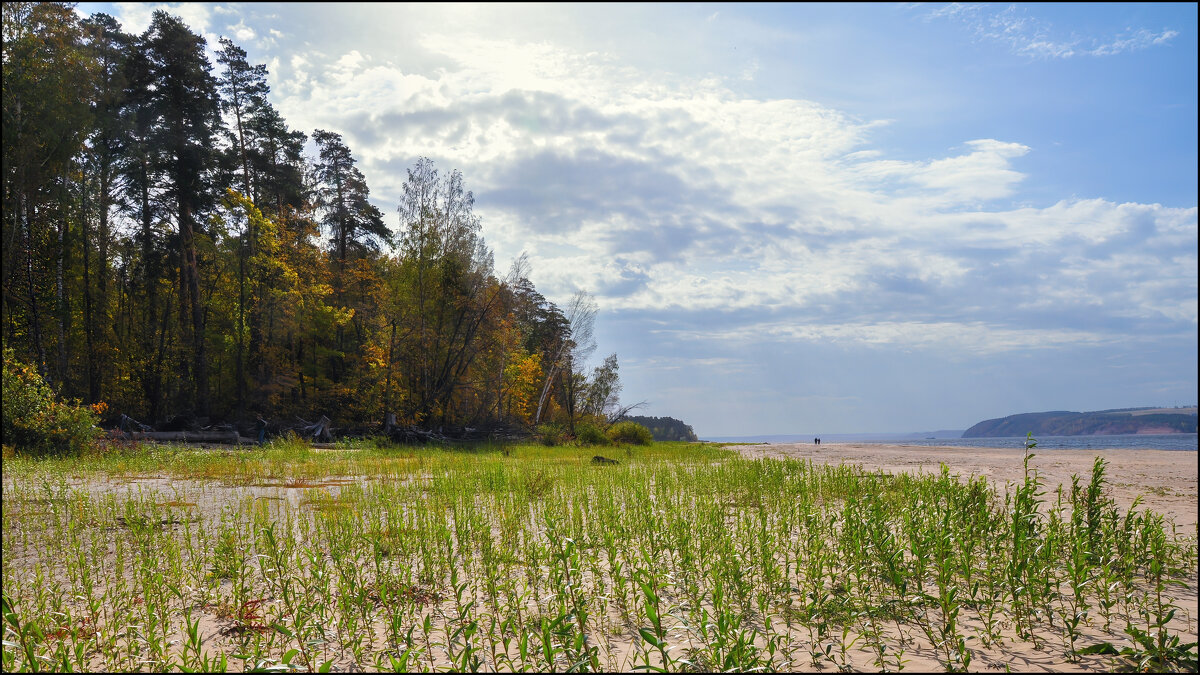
408 434
128 424
313 431
320 430
414 435
189 436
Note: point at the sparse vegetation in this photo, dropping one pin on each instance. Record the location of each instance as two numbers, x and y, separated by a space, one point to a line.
682 557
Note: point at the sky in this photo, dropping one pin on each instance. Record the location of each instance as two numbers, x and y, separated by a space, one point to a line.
797 218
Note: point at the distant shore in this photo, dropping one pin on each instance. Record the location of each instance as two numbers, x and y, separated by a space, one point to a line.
1165 479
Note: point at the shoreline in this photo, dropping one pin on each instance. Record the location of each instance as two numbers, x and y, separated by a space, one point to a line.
1165 479
1172 441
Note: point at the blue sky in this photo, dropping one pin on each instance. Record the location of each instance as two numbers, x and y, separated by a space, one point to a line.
803 219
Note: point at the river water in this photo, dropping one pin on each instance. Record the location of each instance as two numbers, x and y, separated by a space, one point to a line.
1113 442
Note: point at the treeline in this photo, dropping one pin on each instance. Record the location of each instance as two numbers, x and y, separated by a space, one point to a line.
665 428
170 248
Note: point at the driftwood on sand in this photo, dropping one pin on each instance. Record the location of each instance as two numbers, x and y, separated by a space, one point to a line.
130 428
318 431
231 436
443 435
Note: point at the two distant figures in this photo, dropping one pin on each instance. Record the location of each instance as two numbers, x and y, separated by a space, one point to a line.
817 441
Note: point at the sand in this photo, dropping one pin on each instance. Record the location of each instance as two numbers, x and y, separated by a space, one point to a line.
1164 479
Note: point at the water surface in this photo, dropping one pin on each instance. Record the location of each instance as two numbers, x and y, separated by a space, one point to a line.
1110 442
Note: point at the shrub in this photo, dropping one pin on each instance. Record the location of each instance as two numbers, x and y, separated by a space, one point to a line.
590 434
551 434
36 423
630 432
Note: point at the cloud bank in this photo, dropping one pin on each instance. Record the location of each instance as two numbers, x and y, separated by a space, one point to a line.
738 235
686 197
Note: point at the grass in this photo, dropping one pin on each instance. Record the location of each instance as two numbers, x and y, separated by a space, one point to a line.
684 557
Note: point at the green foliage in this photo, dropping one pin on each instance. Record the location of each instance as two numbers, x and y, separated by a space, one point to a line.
665 428
630 432
551 434
590 434
221 226
683 558
36 423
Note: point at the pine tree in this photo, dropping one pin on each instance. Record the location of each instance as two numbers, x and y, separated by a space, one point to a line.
109 47
47 82
185 103
243 87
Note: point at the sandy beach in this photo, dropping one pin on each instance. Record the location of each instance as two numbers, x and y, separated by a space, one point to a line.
1165 479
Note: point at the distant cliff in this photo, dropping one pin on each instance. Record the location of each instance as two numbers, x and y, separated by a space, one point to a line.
1102 422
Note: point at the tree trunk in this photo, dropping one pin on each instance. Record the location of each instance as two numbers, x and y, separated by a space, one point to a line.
39 345
60 298
151 379
387 390
93 375
240 368
102 301
200 363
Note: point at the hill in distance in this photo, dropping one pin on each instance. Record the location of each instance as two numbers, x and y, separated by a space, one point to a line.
665 428
1100 422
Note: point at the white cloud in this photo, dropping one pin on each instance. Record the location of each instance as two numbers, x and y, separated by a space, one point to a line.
242 32
750 70
972 337
680 195
1028 36
135 16
1139 39
983 174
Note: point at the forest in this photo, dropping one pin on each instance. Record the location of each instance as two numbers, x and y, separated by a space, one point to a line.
665 428
174 249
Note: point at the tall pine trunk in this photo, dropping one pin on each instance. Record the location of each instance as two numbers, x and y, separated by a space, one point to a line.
93 375
199 357
39 344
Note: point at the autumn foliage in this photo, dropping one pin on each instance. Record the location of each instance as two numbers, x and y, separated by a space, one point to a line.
170 248
36 422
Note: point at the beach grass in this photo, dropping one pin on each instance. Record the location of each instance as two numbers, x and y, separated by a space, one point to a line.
681 557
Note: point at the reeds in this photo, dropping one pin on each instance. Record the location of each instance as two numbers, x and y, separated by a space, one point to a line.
684 557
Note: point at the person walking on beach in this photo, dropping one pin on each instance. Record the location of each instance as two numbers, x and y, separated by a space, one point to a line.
260 425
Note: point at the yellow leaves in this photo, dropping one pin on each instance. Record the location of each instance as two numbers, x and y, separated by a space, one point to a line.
522 380
341 315
262 233
374 357
235 200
